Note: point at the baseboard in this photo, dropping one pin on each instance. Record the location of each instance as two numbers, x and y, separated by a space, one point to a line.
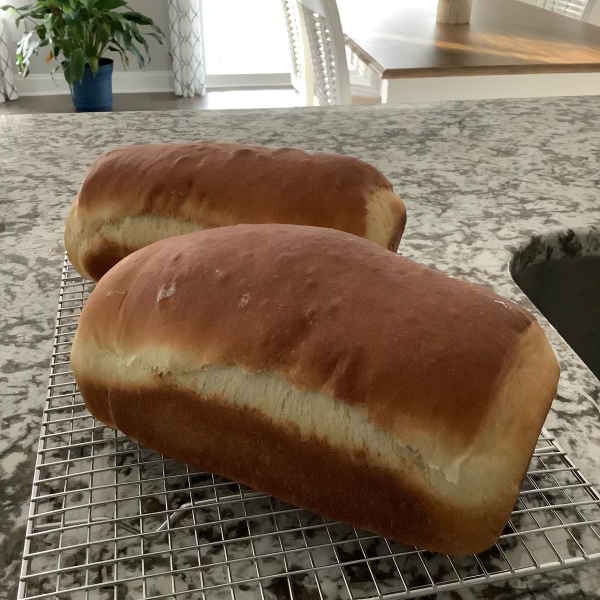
41 85
123 83
148 81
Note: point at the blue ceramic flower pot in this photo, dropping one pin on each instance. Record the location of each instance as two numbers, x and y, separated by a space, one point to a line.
94 93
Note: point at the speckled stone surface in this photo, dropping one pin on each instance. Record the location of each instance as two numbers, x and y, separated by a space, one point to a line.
556 245
479 180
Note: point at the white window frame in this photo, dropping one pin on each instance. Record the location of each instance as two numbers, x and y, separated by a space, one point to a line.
549 4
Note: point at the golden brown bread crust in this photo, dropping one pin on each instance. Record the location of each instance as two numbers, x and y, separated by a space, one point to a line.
449 382
212 185
325 291
240 445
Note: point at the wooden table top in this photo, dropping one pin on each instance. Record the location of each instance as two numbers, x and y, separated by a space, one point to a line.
400 38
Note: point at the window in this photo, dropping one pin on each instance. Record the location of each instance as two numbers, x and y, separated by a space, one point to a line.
571 8
245 37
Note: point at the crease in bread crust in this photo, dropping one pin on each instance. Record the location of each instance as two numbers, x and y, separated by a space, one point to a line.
463 480
86 236
129 233
143 230
312 412
384 209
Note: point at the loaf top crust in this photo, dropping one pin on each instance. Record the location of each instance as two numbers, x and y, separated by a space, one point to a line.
220 184
327 311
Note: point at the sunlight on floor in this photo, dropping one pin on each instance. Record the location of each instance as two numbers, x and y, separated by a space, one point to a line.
252 99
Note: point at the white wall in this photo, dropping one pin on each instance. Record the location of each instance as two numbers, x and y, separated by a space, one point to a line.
594 16
158 11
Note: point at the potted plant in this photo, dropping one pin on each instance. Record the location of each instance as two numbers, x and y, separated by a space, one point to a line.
79 33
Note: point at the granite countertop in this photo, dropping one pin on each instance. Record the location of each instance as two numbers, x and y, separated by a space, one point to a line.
479 180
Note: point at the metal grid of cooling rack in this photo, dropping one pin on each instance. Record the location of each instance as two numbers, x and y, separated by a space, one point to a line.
109 519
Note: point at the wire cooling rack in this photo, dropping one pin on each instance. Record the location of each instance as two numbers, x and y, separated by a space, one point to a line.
110 519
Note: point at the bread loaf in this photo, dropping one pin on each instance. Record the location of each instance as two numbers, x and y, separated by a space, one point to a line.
134 196
317 367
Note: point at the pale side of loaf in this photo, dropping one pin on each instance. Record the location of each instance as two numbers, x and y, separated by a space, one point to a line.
134 196
317 367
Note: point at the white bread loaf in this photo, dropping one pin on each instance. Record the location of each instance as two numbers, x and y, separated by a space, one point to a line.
317 367
134 196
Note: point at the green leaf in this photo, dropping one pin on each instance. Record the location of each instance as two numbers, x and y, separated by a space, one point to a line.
110 4
140 38
26 37
123 38
103 36
52 74
117 48
67 71
136 17
31 49
75 66
116 17
75 32
25 51
138 56
65 47
23 8
64 5
72 15
93 62
48 23
160 38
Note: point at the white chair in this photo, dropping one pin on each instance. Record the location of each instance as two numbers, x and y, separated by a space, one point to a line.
321 32
292 23
301 78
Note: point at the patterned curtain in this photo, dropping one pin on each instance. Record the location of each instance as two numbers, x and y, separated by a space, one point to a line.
8 91
187 47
